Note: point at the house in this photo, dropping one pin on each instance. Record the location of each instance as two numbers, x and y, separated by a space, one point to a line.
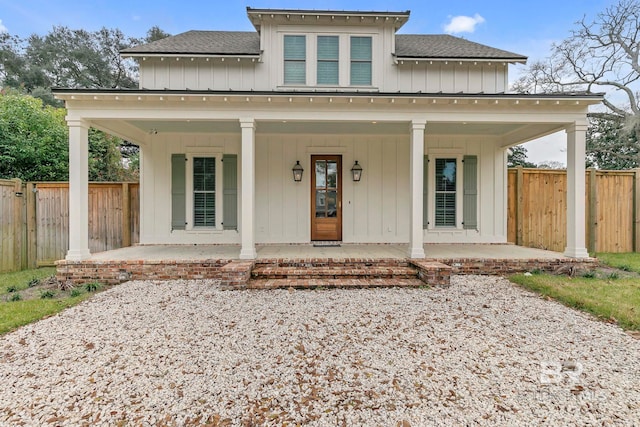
323 126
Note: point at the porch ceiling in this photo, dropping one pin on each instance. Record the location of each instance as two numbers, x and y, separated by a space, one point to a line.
324 127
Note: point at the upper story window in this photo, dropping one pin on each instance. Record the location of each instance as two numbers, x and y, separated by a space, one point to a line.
295 56
328 60
360 61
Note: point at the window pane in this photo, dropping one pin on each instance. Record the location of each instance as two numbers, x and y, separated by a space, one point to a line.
361 48
361 73
321 174
332 174
321 204
295 47
328 48
445 174
295 72
327 73
446 209
332 196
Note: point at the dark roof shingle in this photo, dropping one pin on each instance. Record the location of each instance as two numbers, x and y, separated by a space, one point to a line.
203 42
446 46
248 43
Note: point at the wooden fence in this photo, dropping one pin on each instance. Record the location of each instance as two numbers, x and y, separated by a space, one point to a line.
35 220
537 210
34 217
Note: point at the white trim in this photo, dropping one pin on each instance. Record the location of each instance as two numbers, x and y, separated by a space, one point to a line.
190 153
327 150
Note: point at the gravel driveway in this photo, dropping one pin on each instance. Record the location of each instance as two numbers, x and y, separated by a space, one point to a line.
482 352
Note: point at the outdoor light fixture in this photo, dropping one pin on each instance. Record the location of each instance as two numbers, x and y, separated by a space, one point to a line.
297 171
356 171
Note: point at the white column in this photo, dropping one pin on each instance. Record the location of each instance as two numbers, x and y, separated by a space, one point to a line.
576 146
78 190
248 175
416 249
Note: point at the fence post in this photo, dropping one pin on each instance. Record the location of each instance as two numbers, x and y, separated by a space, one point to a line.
593 212
636 211
126 215
17 223
32 233
519 205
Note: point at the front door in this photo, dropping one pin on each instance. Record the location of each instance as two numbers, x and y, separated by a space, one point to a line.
326 198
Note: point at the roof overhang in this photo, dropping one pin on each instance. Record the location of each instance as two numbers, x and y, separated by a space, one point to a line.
193 56
335 17
401 60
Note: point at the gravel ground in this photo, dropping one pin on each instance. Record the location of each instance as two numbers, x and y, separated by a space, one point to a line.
482 352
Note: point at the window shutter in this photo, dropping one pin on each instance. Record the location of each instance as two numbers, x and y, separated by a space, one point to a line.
230 191
425 195
295 55
470 193
178 192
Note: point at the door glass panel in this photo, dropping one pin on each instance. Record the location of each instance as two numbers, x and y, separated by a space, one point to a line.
321 173
321 204
332 175
332 211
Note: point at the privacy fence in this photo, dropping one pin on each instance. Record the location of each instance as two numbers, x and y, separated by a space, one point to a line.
34 217
34 220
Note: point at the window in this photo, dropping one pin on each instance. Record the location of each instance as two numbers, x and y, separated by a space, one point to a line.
328 55
360 61
295 55
204 192
445 192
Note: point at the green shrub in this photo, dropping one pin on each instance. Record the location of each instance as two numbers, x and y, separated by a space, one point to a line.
625 267
47 294
589 274
613 276
92 286
33 282
12 288
15 297
76 293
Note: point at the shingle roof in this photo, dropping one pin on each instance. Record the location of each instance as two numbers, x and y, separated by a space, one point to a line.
203 42
446 46
248 43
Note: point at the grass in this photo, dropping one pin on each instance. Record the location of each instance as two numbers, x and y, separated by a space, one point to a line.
19 280
23 299
626 261
607 298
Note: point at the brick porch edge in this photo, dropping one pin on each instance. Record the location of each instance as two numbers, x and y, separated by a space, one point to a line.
118 271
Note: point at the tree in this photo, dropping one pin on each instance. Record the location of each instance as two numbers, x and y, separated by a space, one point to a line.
602 55
33 139
609 145
517 156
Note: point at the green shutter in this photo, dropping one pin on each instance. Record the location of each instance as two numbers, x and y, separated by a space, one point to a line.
178 192
295 55
230 191
470 193
425 195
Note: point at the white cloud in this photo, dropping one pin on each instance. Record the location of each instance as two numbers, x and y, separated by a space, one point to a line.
3 29
463 24
136 17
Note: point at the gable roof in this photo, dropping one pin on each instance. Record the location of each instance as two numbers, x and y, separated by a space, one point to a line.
202 43
247 43
444 46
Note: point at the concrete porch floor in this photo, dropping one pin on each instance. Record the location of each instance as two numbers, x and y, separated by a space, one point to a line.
306 251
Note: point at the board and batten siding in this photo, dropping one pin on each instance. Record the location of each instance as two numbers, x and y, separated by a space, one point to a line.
375 210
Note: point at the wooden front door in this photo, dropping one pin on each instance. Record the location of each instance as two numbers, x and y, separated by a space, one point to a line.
326 198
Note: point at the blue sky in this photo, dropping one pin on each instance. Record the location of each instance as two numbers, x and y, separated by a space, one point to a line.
526 28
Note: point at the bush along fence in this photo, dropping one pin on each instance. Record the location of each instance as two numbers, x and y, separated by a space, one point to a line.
34 216
34 220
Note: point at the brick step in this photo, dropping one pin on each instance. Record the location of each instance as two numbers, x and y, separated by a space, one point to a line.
332 262
268 272
331 283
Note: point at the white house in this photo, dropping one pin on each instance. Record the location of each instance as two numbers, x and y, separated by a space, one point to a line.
223 118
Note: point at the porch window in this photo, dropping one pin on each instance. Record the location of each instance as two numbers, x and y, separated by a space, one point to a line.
445 192
360 61
328 56
295 55
204 192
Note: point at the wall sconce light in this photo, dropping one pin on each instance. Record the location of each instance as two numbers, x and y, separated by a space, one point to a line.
297 171
356 171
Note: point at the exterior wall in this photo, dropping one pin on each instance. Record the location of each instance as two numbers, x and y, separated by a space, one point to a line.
375 210
492 201
267 74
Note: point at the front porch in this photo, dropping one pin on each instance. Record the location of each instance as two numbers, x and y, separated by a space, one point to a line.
306 265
